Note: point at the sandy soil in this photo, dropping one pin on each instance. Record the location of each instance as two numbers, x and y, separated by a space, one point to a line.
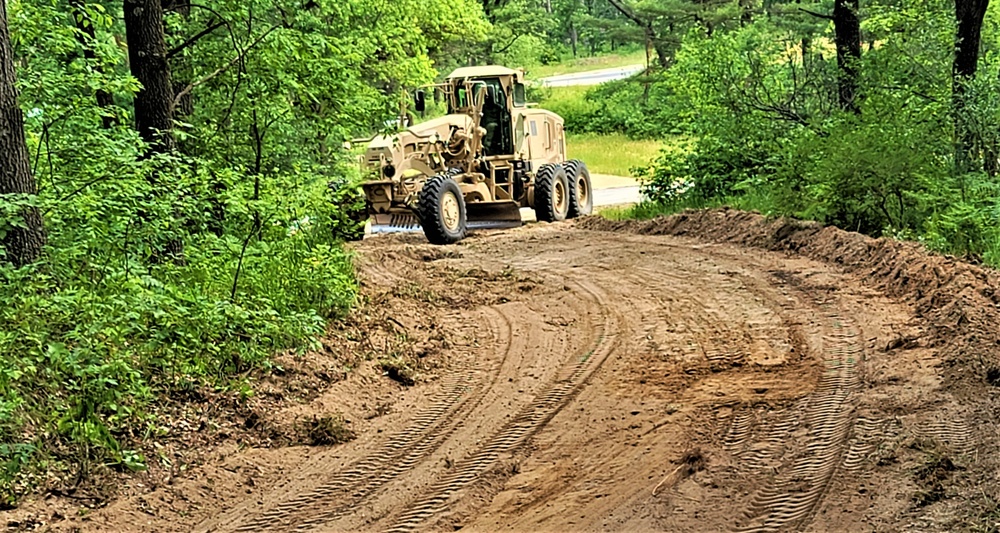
707 372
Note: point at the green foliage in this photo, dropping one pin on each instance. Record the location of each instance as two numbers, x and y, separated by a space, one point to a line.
760 106
260 195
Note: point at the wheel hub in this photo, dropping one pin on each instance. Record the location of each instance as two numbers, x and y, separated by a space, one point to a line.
450 213
559 197
582 192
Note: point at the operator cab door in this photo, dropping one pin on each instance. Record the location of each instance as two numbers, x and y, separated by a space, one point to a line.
497 120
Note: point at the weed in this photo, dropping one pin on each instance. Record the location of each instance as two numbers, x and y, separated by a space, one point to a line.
932 475
397 369
327 431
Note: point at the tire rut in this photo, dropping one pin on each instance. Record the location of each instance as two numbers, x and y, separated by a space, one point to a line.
792 497
571 379
427 430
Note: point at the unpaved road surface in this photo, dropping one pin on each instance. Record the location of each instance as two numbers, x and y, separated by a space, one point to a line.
720 373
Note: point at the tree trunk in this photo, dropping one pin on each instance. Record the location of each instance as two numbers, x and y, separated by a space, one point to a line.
746 12
147 52
23 244
969 15
847 36
86 37
574 37
661 51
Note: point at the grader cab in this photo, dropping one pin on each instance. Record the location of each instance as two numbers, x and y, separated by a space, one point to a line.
475 167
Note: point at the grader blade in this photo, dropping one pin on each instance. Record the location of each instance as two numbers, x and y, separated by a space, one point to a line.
394 223
492 215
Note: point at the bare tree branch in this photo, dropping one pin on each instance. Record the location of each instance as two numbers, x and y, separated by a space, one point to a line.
815 14
180 48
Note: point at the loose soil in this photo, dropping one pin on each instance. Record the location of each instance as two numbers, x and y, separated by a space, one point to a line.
710 371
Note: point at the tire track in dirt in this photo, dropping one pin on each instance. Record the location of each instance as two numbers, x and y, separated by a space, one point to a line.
790 500
332 508
344 492
793 495
570 380
427 430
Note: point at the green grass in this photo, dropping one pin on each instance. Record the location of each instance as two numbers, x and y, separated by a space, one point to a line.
584 64
614 154
760 202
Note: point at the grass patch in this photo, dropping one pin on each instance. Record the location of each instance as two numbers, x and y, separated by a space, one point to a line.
751 201
584 64
614 154
605 153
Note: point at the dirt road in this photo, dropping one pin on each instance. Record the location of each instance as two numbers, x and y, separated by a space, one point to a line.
572 379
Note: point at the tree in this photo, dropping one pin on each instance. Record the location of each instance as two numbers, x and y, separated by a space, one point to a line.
847 36
847 39
147 51
652 37
24 239
664 22
969 15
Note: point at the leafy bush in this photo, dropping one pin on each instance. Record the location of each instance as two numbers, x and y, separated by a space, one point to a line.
92 334
631 107
768 134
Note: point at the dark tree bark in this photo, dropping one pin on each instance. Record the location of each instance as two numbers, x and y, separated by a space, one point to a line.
969 15
147 52
847 36
23 245
154 103
86 38
746 12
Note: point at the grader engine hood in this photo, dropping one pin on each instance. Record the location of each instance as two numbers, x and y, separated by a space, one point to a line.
407 152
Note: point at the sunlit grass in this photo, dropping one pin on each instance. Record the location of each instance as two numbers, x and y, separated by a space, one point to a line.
584 64
614 154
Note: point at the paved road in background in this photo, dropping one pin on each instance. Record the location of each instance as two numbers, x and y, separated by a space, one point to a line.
593 77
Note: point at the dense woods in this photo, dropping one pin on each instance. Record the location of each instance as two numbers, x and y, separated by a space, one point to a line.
174 192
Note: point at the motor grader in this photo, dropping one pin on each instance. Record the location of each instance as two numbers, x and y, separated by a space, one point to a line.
475 167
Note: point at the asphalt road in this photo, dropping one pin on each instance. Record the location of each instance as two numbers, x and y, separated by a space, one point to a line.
593 77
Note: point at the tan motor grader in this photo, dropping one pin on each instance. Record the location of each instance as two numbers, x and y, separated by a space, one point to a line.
475 167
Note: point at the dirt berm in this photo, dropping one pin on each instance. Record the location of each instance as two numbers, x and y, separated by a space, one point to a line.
710 371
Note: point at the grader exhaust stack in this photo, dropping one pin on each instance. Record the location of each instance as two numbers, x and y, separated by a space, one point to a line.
477 166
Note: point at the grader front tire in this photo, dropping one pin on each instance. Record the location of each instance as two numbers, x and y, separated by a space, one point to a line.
441 209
